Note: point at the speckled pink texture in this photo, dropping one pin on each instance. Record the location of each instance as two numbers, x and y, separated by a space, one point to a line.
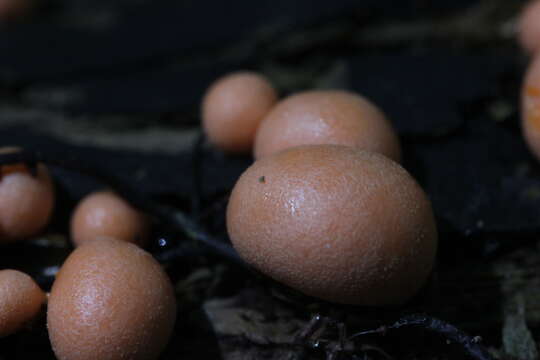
111 300
20 300
335 222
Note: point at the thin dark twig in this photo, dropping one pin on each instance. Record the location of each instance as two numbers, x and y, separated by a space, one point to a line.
334 352
308 331
179 220
177 252
470 344
170 216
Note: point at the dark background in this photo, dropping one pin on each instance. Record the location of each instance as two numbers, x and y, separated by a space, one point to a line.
119 83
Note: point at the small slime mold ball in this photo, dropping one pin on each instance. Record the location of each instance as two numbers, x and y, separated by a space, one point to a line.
233 108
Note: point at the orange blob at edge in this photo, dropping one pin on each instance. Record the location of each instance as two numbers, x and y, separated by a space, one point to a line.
11 168
532 106
12 229
532 91
22 302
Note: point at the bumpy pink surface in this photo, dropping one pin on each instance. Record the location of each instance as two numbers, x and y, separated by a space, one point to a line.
20 300
111 300
335 222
